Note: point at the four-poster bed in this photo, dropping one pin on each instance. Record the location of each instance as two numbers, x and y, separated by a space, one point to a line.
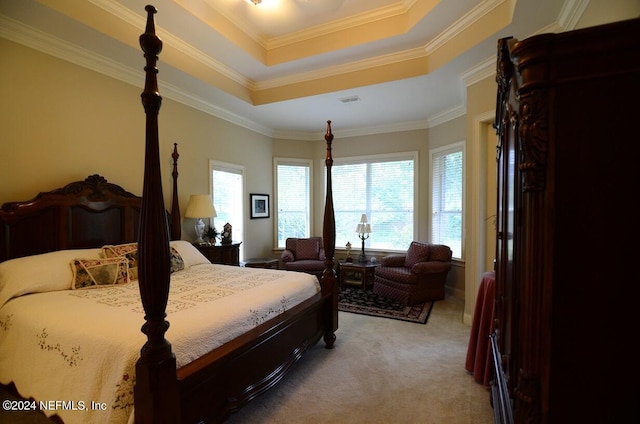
83 217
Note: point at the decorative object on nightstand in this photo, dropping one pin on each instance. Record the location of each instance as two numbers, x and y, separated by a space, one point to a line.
348 246
226 234
212 234
200 206
363 229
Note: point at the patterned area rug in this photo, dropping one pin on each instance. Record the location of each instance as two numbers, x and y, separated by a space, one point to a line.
357 301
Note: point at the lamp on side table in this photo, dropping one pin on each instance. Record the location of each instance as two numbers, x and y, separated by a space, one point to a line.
200 206
363 229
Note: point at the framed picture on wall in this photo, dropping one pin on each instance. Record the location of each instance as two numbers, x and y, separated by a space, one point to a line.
259 205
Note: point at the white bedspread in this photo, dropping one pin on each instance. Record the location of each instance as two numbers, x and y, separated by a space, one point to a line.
75 350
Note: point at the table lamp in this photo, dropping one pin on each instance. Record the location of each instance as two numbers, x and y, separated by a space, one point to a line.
363 229
200 206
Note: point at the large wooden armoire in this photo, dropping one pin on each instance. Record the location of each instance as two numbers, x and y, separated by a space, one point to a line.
565 345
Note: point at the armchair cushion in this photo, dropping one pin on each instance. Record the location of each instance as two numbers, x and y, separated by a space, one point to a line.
439 252
307 249
417 252
399 273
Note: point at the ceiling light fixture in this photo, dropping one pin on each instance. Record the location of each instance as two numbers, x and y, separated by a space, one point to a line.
256 2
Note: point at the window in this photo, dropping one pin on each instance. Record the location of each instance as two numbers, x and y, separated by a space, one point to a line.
293 198
383 187
227 193
447 166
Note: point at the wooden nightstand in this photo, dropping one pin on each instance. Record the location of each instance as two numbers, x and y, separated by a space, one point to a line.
224 254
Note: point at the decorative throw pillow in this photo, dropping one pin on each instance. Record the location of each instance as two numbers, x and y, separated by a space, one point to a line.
287 256
307 249
127 250
114 251
440 252
176 260
132 257
417 252
99 272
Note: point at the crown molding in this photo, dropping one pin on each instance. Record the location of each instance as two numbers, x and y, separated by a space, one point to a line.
174 93
337 70
435 120
38 40
354 21
483 70
448 114
410 54
485 7
137 21
571 13
475 14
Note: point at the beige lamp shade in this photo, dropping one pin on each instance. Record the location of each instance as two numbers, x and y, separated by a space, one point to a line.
200 206
363 226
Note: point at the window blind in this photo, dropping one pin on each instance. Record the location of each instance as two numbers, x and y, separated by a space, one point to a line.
382 187
446 197
293 181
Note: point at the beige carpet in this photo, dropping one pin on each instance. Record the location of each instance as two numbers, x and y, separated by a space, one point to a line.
381 371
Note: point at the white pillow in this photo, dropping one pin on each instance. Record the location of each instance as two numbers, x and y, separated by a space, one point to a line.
39 273
190 255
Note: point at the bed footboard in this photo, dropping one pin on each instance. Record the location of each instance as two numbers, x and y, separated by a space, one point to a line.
221 382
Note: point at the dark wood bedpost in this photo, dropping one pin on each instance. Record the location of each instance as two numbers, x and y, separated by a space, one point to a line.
329 286
156 390
176 227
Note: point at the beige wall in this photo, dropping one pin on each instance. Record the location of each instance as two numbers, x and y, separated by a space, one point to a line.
61 122
481 99
600 12
52 130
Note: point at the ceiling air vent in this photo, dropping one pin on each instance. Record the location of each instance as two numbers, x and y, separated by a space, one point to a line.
350 99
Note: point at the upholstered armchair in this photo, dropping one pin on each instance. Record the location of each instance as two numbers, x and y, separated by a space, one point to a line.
415 277
304 255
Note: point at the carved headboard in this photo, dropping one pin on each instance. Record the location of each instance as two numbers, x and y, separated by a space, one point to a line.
82 214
